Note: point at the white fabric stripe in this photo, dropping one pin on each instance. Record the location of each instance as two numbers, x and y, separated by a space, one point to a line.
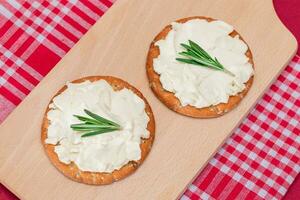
68 42
205 196
251 185
32 72
8 34
20 63
59 36
49 28
56 49
58 18
46 42
297 167
236 176
3 20
193 188
23 81
14 4
76 17
99 5
184 197
281 115
35 44
30 49
87 11
14 90
213 162
227 190
24 27
35 74
266 163
295 65
6 13
18 42
51 45
215 181
2 81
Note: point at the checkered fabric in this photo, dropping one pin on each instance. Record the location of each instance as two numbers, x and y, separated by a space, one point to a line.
34 36
260 160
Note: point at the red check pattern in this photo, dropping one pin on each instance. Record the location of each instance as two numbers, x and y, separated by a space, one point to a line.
260 160
34 36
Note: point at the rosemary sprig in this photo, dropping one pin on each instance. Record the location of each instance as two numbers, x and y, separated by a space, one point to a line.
94 125
196 55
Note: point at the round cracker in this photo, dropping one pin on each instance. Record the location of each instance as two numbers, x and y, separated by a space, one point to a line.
98 178
172 102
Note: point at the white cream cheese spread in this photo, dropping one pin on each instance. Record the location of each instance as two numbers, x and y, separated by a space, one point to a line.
196 85
105 152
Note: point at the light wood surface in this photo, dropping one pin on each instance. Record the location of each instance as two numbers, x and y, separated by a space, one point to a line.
117 45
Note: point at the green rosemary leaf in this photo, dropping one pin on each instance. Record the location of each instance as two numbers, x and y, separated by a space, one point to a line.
201 62
90 126
94 124
97 132
86 119
187 61
196 55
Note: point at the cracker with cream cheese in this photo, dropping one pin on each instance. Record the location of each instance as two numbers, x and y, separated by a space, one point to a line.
98 178
171 101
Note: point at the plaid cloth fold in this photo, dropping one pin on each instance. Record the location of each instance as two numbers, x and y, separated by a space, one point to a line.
261 159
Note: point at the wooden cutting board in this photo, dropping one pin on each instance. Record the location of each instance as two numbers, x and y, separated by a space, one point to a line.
117 45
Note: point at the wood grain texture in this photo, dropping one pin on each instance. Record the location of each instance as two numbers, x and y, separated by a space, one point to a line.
117 45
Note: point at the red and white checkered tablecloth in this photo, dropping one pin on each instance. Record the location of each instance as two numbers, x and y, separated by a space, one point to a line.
260 160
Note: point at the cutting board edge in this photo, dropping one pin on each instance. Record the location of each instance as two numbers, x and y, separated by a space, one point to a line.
12 190
227 136
292 55
244 117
